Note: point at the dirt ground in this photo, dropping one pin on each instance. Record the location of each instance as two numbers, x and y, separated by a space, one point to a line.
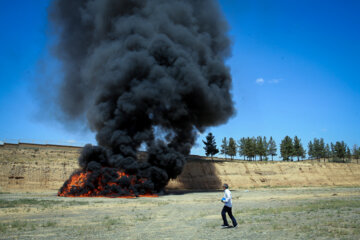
265 213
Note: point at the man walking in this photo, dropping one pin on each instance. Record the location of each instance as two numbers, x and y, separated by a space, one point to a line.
227 208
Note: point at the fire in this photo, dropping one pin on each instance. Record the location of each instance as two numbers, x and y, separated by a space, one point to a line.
107 182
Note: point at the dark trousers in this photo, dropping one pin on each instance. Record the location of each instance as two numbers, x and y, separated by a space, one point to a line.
223 214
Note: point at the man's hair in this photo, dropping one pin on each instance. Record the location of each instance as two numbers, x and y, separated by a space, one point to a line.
226 186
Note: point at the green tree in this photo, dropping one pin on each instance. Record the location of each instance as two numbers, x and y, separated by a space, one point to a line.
232 148
286 148
340 150
322 150
266 148
348 154
299 151
319 148
210 146
247 147
260 147
272 148
311 150
327 151
356 152
251 148
242 147
224 147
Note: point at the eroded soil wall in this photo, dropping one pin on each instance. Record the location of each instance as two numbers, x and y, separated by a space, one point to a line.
28 168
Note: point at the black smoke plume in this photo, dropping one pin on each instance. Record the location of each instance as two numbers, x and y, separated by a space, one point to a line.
146 74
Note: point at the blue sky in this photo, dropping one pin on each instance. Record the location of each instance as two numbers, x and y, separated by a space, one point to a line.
295 69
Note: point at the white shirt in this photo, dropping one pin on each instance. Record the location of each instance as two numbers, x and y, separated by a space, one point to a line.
227 196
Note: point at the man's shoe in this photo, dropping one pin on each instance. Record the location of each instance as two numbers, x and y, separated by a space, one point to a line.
235 226
225 226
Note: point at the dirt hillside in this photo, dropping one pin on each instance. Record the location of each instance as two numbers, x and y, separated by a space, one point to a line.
240 174
28 168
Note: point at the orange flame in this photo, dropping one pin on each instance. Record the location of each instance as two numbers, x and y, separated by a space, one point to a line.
77 181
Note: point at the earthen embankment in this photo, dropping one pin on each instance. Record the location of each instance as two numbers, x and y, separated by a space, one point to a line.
31 167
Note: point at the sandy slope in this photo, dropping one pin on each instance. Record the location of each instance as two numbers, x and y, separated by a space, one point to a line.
29 168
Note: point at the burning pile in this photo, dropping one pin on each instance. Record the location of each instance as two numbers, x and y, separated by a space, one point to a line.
145 74
108 182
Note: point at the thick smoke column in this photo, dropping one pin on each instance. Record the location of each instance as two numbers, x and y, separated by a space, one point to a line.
145 73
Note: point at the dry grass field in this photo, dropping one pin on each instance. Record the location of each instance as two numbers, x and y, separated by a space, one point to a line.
262 213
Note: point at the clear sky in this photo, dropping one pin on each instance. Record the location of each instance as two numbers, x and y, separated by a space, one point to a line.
295 69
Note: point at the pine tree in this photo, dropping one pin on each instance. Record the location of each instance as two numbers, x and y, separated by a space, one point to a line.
348 154
303 152
316 148
260 149
298 148
242 147
340 150
224 147
286 148
272 148
333 154
232 148
327 151
319 150
356 152
311 150
248 148
210 146
251 146
265 148
322 150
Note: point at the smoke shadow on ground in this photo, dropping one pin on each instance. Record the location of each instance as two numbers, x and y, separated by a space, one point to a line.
198 176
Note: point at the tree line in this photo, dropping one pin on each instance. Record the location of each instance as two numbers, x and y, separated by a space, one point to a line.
261 148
